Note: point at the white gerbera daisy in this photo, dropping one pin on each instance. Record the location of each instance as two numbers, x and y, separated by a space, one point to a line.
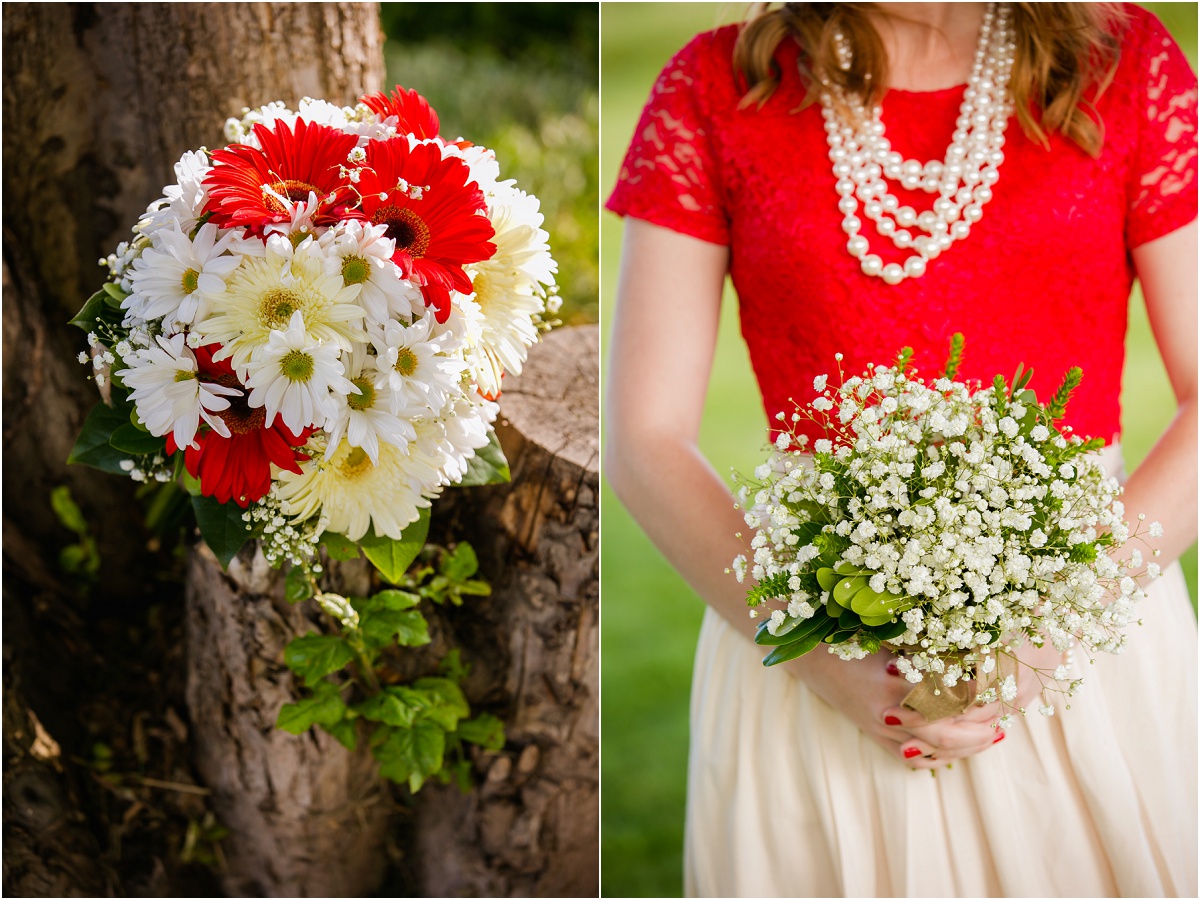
262 295
460 434
168 393
366 418
414 366
350 493
362 255
174 279
292 376
182 203
299 226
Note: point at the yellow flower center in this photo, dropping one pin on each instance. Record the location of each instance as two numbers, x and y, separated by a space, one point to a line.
190 281
297 366
183 375
276 307
296 191
406 362
483 290
355 270
355 464
406 228
366 399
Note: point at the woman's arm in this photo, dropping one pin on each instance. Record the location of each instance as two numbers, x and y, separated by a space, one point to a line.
1164 485
659 360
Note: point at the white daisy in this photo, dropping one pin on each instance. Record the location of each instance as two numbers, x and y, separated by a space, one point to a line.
262 295
182 203
174 279
413 365
362 255
168 393
464 431
352 494
292 376
366 418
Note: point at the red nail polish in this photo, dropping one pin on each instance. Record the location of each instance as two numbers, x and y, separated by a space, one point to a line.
998 738
890 720
911 752
893 669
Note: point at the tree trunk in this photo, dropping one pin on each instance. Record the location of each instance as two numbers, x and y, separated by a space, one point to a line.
100 100
310 818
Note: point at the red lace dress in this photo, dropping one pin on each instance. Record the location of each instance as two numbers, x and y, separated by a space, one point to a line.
785 796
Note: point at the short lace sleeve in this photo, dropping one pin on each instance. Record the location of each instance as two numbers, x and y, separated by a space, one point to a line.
670 173
1162 185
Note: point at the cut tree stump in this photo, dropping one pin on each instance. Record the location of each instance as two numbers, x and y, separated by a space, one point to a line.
309 818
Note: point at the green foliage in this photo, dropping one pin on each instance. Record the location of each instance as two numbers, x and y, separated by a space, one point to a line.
81 558
92 447
957 342
485 730
298 585
1057 407
392 557
134 441
488 465
314 656
903 358
338 546
325 708
221 526
101 309
774 586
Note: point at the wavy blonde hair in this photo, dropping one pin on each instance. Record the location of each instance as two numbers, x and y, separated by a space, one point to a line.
1063 50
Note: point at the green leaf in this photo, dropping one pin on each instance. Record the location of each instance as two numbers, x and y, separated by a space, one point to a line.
453 667
485 730
325 709
391 557
390 599
392 706
66 510
475 587
799 648
487 466
827 578
889 631
849 619
221 526
115 293
345 733
847 588
802 628
407 627
98 308
92 447
447 703
132 440
297 586
412 754
314 656
460 563
338 546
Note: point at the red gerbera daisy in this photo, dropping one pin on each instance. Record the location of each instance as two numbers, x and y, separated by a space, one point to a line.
292 163
238 467
430 207
414 112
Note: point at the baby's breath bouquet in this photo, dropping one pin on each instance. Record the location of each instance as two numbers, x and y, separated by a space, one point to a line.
945 521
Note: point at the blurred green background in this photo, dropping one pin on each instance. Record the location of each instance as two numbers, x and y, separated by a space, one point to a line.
646 671
522 79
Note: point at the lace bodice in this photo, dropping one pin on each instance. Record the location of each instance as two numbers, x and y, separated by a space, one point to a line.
1042 280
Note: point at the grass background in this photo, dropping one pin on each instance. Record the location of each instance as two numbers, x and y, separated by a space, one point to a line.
646 672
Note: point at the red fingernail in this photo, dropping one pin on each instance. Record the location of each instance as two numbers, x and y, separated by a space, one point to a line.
893 669
998 738
890 720
911 752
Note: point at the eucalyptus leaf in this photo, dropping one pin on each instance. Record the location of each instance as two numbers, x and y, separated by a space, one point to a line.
827 578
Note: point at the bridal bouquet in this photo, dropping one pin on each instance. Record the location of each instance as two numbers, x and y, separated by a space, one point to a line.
946 521
311 326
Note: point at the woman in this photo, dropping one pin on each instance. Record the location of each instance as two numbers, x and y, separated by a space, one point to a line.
802 782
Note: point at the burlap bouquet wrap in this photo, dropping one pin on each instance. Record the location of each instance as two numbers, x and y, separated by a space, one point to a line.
934 700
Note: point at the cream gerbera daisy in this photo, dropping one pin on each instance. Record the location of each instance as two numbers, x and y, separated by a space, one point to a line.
351 494
262 295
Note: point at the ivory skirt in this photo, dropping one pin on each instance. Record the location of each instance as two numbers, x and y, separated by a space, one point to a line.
787 798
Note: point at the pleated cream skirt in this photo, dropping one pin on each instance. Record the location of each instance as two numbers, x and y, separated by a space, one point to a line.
787 798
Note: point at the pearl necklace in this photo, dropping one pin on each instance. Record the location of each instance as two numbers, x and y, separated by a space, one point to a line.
862 157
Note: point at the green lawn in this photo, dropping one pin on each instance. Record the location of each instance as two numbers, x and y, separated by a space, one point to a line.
646 670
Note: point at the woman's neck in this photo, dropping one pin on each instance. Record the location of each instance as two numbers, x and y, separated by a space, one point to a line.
929 45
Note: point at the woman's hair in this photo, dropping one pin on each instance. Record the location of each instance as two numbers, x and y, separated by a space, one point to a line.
1063 49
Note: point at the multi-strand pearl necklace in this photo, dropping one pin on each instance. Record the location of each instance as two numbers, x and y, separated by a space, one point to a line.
862 157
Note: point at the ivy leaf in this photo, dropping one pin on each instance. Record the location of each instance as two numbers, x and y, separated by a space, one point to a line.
338 546
412 754
314 656
221 526
487 466
393 557
460 563
132 440
485 730
391 706
344 732
447 703
92 447
326 709
297 586
408 627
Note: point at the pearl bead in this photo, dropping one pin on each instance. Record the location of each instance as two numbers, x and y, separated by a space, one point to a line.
959 230
910 182
911 167
885 227
925 220
847 205
893 273
857 246
906 216
851 224
890 203
983 194
871 265
841 170
972 213
914 267
902 239
944 242
873 209
845 186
